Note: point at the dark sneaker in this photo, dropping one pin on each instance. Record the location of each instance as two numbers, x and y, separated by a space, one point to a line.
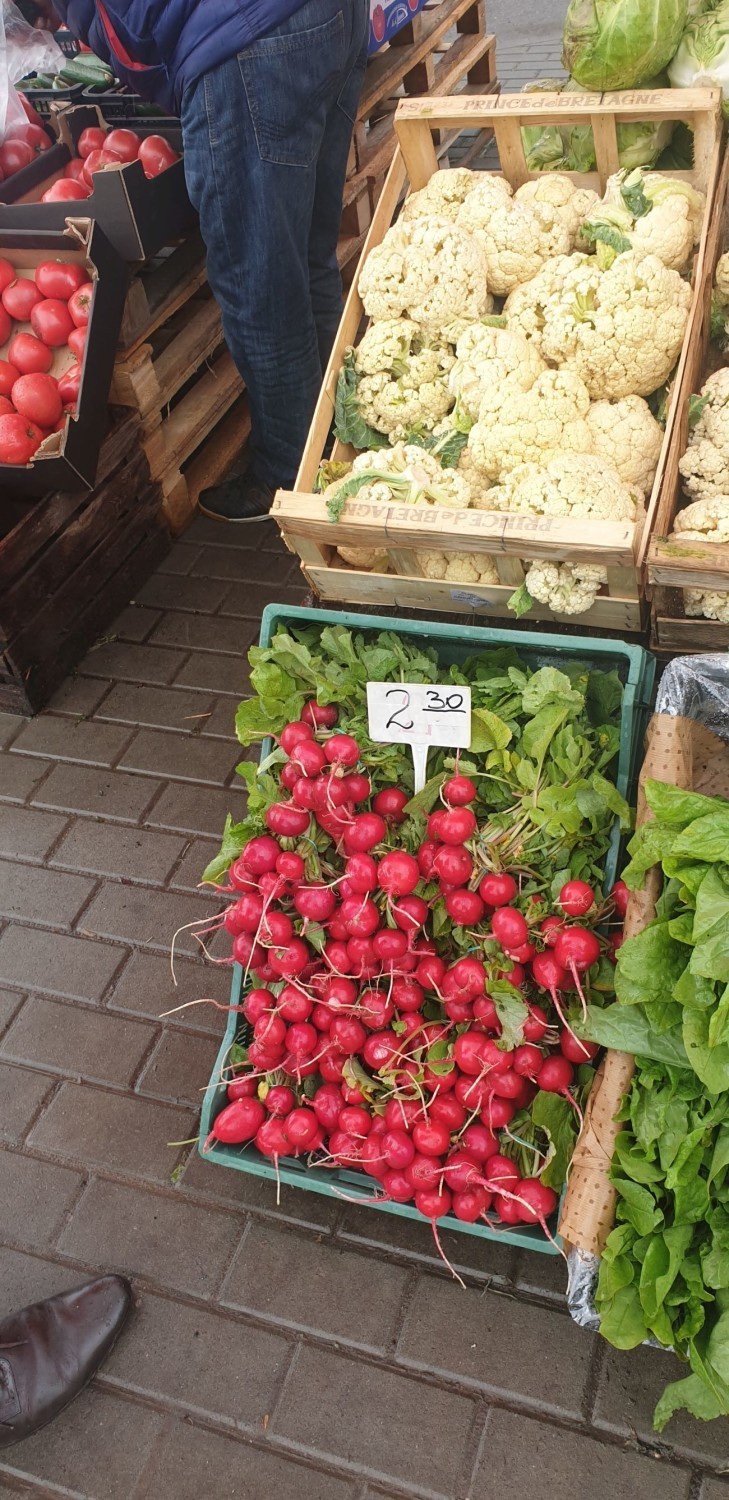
242 499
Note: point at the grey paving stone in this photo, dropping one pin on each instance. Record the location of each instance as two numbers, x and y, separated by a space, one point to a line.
227 1185
507 1348
200 595
256 537
195 809
133 663
380 1232
78 695
112 849
145 987
19 775
180 1067
199 632
229 1370
165 708
81 740
522 1457
307 1283
238 563
106 794
180 560
192 1463
247 600
543 1275
221 722
161 1239
55 964
31 1278
187 876
11 724
146 918
27 833
97 1448
10 1003
629 1388
394 1426
184 757
216 674
714 1489
135 623
36 1196
22 1092
78 1039
48 896
120 1132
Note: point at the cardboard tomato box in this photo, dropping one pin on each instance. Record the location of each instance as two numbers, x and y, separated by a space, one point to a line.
68 460
137 214
387 19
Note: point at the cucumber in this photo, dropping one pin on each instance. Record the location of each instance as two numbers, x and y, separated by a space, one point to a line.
88 70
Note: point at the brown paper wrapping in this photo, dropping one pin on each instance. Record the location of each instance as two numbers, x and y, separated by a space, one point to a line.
687 755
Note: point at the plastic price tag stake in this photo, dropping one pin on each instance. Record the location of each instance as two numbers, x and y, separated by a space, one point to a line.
419 714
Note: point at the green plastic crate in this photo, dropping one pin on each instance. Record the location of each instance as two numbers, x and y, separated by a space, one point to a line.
636 668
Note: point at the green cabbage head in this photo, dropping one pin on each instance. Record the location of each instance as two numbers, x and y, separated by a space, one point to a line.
571 148
618 44
703 54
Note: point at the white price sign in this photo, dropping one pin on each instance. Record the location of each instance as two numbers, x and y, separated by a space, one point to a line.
419 714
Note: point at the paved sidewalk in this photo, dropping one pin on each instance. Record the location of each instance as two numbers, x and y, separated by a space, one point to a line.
307 1351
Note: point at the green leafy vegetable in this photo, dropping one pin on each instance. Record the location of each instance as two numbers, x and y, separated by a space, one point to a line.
349 425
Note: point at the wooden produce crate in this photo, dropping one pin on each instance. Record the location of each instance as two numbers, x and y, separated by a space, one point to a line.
675 565
69 563
176 373
401 530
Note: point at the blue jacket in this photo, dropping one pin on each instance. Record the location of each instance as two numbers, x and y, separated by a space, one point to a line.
158 47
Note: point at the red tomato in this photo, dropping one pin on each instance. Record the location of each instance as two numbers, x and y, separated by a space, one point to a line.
91 139
34 136
19 297
79 305
124 144
8 273
75 170
6 407
51 321
60 278
156 155
28 355
6 326
69 385
19 439
77 341
99 161
8 376
36 397
14 155
30 111
65 189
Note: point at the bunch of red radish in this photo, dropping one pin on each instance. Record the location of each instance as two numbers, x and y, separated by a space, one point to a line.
373 1046
40 316
107 150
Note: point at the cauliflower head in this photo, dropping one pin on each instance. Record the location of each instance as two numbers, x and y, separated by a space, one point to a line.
518 427
627 435
567 588
366 558
712 604
621 329
705 464
704 521
429 270
573 484
648 213
444 194
721 280
405 474
572 204
517 238
494 358
458 567
525 308
403 378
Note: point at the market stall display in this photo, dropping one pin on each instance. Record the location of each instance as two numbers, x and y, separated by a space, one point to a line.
463 526
395 950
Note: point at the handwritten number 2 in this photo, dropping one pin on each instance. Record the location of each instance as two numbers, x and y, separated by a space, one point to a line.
395 718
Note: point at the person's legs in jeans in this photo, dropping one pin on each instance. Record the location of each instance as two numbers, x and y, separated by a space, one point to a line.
254 130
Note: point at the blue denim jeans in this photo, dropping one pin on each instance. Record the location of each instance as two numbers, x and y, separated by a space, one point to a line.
266 139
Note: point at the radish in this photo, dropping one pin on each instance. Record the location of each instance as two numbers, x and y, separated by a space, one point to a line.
433 824
453 865
280 1100
433 1204
290 866
257 1003
468 1053
398 1187
309 757
536 1201
301 1128
577 949
361 872
550 929
342 750
365 831
407 994
241 1088
461 1171
501 1173
348 1034
294 1004
524 953
276 928
245 914
575 1049
294 734
506 1084
464 907
424 1172
498 889
238 1122
425 857
471 1205
246 952
429 972
398 1149
401 1114
287 821
270 1031
354 1120
480 1142
619 896
390 804
458 791
315 902
457 825
398 873
509 927
371 1158
555 1075
260 854
431 1137
486 1014
327 1105
528 1060
289 960
447 1109
410 913
301 1038
390 944
576 898
359 916
290 775
319 715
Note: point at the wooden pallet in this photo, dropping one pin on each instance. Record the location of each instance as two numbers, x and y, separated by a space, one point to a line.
70 564
674 565
402 531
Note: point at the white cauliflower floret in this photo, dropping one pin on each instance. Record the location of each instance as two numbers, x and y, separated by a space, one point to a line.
648 213
494 358
408 475
517 238
567 588
458 567
626 434
704 521
570 203
623 330
573 484
444 194
518 427
525 307
721 280
366 558
712 604
403 378
428 269
705 464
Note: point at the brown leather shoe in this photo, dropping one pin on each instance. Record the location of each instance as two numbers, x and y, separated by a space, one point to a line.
50 1350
